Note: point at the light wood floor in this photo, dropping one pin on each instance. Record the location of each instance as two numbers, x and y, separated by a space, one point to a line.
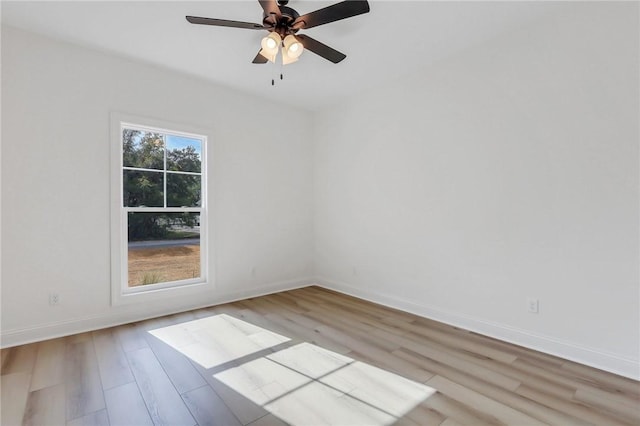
304 357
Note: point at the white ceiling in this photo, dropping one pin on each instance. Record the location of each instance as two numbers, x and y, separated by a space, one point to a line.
395 39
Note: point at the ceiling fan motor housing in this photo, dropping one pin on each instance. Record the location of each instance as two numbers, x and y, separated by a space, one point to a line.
284 23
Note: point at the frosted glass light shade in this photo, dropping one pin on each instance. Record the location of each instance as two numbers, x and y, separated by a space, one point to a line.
270 46
286 59
292 46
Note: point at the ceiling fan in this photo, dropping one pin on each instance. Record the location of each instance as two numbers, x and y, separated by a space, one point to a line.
283 24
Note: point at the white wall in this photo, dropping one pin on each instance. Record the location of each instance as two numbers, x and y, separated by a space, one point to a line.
56 102
506 172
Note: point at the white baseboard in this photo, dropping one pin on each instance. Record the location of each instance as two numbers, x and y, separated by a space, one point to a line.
53 330
597 358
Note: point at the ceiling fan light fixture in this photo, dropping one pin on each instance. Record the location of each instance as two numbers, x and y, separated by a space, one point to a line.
270 45
292 47
286 59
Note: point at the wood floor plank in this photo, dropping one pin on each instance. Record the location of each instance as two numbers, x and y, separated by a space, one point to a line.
460 361
268 420
14 392
519 351
46 407
83 385
362 381
19 359
255 318
243 409
130 337
323 311
112 363
450 422
317 404
49 367
606 396
609 381
360 305
573 408
508 376
203 313
281 303
366 333
126 407
568 381
310 335
181 372
527 406
3 355
607 386
619 406
217 340
160 396
79 338
458 411
422 415
99 418
481 403
153 323
380 357
453 341
208 409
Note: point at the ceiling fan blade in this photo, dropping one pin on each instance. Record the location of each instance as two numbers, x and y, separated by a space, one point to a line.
271 10
225 23
335 12
259 59
320 49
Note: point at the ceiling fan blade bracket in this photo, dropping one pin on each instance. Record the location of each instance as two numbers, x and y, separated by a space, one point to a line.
299 24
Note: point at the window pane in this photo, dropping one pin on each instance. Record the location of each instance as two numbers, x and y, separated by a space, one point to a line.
143 189
142 149
183 190
183 154
163 247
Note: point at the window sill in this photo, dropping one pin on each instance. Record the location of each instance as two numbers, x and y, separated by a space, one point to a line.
152 295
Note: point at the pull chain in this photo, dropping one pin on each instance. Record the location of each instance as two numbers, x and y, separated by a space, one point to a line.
273 79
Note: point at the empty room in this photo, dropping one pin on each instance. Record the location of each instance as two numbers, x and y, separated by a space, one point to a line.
312 213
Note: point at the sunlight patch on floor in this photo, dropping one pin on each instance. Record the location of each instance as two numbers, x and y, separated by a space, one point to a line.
306 384
301 384
218 339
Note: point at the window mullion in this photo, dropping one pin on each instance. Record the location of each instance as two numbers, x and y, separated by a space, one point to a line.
141 169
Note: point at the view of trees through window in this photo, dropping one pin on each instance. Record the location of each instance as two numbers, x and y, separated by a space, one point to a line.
162 199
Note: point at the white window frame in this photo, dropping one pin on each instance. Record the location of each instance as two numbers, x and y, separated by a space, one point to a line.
121 293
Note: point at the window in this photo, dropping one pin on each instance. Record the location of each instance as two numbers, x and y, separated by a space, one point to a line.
159 238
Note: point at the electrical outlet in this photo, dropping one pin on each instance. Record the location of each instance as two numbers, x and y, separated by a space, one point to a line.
533 305
54 299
